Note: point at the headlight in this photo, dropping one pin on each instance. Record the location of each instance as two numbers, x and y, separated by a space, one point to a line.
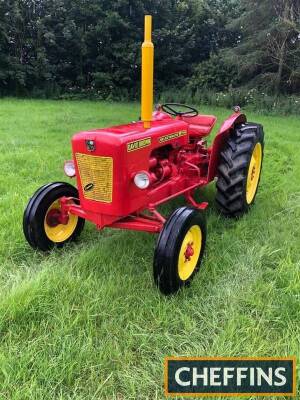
69 169
142 180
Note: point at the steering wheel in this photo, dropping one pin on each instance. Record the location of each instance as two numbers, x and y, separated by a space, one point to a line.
172 109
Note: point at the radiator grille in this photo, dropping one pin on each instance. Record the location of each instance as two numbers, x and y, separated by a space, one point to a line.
96 175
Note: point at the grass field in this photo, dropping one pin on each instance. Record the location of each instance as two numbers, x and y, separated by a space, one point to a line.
87 322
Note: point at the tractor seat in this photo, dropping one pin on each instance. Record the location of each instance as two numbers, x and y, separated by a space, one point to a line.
201 125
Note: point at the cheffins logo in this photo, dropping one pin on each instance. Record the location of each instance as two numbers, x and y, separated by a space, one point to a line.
230 376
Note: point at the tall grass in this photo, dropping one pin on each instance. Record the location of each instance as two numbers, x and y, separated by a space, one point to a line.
255 100
250 99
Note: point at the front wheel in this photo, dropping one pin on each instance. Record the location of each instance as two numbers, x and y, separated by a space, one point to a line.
179 250
41 223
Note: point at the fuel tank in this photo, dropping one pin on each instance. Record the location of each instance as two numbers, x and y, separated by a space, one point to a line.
106 161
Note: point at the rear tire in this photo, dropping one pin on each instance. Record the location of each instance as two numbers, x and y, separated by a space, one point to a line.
37 232
240 170
179 250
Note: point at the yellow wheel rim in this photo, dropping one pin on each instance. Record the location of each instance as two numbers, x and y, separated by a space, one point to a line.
254 173
60 232
189 252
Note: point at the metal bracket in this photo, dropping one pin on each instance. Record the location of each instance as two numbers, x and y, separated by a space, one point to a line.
189 197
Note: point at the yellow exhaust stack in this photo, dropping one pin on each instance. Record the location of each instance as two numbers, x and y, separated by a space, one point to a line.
147 73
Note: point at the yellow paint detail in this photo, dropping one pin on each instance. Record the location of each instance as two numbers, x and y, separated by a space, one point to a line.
172 136
138 144
147 74
96 174
60 233
186 266
254 173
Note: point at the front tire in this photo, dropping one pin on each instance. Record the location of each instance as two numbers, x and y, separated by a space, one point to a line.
41 225
240 170
179 250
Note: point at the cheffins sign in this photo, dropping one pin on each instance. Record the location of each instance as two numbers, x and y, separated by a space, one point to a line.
230 376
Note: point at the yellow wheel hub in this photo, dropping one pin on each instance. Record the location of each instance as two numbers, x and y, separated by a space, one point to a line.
57 232
189 252
254 173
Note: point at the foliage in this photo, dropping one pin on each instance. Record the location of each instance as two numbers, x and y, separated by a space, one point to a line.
91 48
248 99
268 50
213 74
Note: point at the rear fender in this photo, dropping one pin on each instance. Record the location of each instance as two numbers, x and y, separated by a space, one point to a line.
220 141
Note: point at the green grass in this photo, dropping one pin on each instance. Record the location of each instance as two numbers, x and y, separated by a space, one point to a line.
87 322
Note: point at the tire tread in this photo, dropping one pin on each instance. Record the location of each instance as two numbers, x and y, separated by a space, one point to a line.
233 168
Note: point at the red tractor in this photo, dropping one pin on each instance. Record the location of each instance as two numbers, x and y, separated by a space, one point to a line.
125 172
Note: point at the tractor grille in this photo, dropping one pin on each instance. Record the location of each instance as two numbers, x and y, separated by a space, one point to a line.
96 176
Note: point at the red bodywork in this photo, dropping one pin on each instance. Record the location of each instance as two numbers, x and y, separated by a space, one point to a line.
173 153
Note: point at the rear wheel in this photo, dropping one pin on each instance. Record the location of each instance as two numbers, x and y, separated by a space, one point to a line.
240 170
42 225
179 250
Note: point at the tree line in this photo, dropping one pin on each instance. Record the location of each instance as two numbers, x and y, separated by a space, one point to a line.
91 48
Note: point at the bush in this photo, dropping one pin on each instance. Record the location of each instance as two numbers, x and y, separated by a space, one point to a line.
250 99
213 74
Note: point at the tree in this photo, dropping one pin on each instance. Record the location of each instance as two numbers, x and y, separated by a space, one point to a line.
267 52
93 46
4 67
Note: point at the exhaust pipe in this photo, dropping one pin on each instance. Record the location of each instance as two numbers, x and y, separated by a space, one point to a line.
147 74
